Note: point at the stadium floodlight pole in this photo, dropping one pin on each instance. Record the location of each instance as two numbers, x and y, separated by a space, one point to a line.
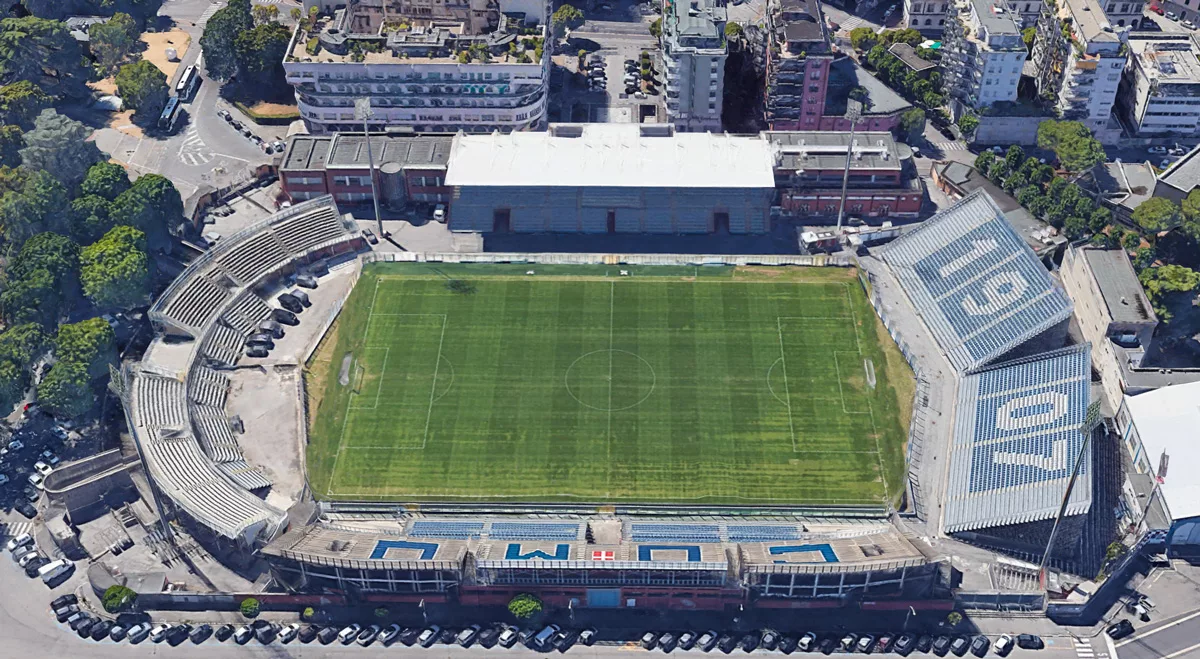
362 110
853 113
1088 428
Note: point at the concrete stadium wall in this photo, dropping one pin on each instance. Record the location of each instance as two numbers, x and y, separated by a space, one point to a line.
84 486
1007 130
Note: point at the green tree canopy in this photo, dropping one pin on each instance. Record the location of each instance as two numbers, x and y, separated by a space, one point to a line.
968 123
65 392
89 218
143 87
118 598
524 606
113 40
40 205
220 33
250 607
42 52
59 145
912 123
1156 214
19 347
260 52
152 205
55 253
12 140
105 179
864 38
566 17
734 30
89 343
21 102
1072 143
1162 281
984 161
115 270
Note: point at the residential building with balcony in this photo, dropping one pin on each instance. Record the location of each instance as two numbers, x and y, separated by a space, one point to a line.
477 67
694 51
982 54
1129 14
798 59
928 18
1079 59
1160 90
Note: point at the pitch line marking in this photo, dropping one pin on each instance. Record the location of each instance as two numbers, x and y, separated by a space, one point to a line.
433 385
378 390
612 291
870 407
610 351
841 393
346 414
786 391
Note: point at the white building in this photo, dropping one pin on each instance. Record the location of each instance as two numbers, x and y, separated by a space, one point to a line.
928 18
1161 88
1122 13
982 53
474 71
1079 58
694 51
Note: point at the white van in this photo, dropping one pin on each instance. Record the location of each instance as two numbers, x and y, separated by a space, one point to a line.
53 569
545 635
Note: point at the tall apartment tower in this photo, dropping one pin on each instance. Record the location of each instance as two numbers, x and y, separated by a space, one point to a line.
982 53
694 51
1079 60
798 56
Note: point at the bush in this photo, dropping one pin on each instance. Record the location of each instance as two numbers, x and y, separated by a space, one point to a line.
381 612
312 46
954 618
307 613
525 606
118 598
250 607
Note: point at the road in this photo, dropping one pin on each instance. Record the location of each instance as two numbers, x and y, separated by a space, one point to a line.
1173 638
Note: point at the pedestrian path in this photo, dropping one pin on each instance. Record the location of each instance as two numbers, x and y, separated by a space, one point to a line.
13 529
851 22
950 146
1084 649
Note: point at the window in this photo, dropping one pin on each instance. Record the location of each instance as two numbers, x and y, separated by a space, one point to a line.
941 21
929 21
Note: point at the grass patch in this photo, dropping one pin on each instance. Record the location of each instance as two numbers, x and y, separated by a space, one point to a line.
671 385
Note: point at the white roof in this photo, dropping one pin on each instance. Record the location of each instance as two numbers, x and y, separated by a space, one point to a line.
611 155
1167 420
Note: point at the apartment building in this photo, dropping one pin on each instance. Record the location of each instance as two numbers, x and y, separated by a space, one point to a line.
1079 58
982 53
928 18
1126 14
798 59
1160 90
694 51
477 66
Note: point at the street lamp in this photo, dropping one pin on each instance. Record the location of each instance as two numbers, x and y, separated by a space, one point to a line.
853 113
362 110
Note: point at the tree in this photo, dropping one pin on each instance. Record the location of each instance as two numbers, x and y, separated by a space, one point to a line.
1015 157
40 205
1028 35
1143 258
998 172
113 40
524 606
35 298
143 87
65 392
1164 280
1156 214
89 343
296 14
12 140
307 613
912 123
21 101
1190 215
44 53
734 31
105 179
59 145
260 52
20 346
118 598
953 618
984 161
88 218
1015 181
1098 219
115 270
656 28
863 38
250 607
968 123
151 204
1027 195
908 36
220 33
1072 143
264 13
52 252
566 17
1074 227
1131 240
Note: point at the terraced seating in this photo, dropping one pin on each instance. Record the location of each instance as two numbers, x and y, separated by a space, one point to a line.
534 531
444 529
196 302
762 532
243 474
246 312
162 402
223 344
641 532
212 427
253 257
307 230
208 387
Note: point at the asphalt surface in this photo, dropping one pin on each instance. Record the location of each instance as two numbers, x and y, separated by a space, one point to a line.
1175 638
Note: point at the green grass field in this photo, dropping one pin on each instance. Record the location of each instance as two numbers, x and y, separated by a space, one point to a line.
672 385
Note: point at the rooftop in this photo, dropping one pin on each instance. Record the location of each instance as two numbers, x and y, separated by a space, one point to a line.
1183 174
603 155
1090 21
995 17
1166 421
846 74
827 150
307 152
907 54
1125 184
1040 236
800 20
1167 61
1119 285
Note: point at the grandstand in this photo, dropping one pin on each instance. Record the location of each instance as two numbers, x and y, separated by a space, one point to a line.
980 290
178 414
1018 429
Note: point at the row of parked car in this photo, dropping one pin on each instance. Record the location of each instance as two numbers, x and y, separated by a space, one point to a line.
268 147
902 644
26 555
262 342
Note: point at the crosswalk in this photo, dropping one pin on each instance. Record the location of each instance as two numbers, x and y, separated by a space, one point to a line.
194 152
212 9
1084 649
850 23
13 529
950 146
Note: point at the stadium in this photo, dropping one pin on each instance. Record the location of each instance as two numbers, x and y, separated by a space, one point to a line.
664 431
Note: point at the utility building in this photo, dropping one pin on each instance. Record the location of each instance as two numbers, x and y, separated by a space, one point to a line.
610 178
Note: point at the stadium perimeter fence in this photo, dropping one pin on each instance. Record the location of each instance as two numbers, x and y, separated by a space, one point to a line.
561 258
920 405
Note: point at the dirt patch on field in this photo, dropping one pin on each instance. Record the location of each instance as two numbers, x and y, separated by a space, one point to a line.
273 109
157 44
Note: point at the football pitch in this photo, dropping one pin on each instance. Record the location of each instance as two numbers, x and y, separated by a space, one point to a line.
672 385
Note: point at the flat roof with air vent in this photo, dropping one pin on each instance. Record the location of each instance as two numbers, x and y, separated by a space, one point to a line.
1119 286
827 150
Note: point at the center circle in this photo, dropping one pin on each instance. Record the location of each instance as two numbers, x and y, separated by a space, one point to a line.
610 380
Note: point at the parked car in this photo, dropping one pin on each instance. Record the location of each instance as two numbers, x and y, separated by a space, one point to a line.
807 643
302 296
257 351
33 567
727 643
770 640
242 635
884 643
261 338
368 635
649 640
224 114
848 642
1164 163
307 634
865 643
26 510
750 641
49 458
64 613
138 633
1157 150
284 317
159 632
118 633
507 637
905 644
960 645
289 633
326 635
787 644
439 213
1171 16
1188 24
1030 642
1120 630
53 570
28 558
565 639
827 645
37 480
100 630
707 640
687 640
370 236
941 645
349 633
200 634
289 302
429 636
980 645
19 541
307 281
1003 645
